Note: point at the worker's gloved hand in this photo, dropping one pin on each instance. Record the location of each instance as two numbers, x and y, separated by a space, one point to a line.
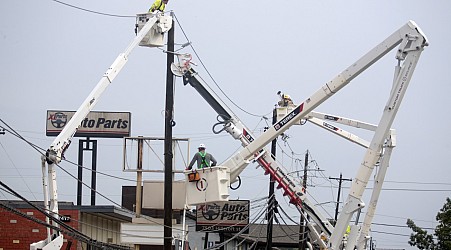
213 164
187 168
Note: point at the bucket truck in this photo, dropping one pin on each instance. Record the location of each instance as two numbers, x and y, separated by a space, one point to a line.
212 183
150 29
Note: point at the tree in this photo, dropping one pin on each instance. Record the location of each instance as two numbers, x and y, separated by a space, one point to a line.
422 240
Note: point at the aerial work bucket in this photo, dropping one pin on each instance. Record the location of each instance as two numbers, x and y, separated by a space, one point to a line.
155 37
207 185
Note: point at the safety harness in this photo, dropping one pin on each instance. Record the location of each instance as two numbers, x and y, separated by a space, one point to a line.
203 162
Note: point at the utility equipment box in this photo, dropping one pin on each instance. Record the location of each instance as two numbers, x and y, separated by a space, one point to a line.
212 185
155 37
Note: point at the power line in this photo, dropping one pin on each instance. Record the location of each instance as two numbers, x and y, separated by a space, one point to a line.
422 183
70 230
77 236
211 77
90 11
401 226
390 233
400 189
259 215
12 162
38 149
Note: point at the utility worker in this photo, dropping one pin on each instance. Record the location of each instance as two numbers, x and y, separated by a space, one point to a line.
285 99
158 5
203 159
348 231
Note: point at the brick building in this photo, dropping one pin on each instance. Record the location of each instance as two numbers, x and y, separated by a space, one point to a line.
101 223
17 232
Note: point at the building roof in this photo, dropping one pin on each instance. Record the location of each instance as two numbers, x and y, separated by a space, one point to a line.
24 205
108 212
102 211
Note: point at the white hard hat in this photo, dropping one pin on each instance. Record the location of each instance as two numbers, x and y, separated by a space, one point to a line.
201 145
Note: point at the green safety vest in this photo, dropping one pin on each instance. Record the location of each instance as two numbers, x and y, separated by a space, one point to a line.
157 5
203 162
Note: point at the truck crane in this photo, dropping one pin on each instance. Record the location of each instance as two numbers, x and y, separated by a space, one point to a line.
234 126
151 27
411 42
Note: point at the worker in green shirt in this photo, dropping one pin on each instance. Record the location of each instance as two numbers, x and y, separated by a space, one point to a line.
158 5
203 159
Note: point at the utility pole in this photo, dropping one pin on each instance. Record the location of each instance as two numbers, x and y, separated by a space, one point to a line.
139 178
340 180
271 197
168 141
303 228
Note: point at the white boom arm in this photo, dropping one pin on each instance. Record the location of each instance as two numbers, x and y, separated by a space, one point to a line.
239 131
362 236
411 41
63 140
56 151
359 235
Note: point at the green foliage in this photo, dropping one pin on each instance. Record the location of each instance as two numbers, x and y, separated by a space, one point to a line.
422 240
443 229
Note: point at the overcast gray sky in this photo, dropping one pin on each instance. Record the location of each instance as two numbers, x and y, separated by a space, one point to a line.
52 56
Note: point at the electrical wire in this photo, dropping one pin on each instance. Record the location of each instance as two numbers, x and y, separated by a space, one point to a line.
208 229
86 184
399 189
185 162
91 11
407 235
18 135
12 162
40 209
71 231
38 149
294 233
400 226
148 144
75 220
99 172
211 77
260 214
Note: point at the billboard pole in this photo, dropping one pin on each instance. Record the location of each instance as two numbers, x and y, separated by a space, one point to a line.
94 171
80 173
85 145
206 240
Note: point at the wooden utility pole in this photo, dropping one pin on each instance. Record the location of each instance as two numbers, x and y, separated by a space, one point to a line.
139 178
271 197
340 180
303 228
168 155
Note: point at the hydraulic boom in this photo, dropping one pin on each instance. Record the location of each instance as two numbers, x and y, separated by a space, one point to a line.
410 41
54 155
